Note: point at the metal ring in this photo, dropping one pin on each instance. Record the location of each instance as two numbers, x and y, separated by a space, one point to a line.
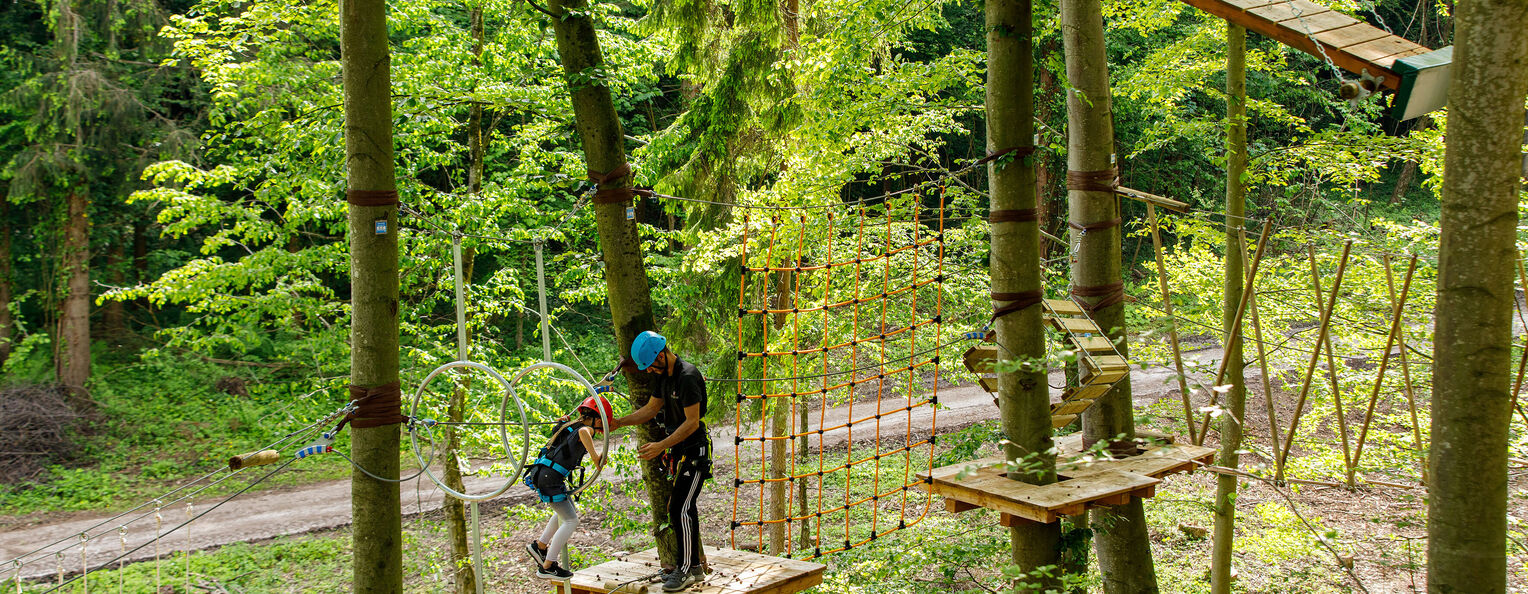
604 417
509 394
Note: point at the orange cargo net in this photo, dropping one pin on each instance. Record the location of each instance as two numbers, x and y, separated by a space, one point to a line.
849 311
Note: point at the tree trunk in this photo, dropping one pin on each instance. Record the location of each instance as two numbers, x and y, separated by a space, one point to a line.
375 508
1467 507
1124 553
74 317
1023 395
114 312
779 422
631 308
1236 399
141 260
7 325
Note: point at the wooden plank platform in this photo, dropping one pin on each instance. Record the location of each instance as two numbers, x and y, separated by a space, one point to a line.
1353 45
1086 481
732 572
986 486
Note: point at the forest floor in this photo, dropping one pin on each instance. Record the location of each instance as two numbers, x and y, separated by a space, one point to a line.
1280 531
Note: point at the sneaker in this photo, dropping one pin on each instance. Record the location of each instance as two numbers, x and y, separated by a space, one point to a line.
537 553
555 572
678 580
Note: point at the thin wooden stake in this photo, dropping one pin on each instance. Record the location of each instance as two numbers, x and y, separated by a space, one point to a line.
1236 323
1172 322
1310 369
1331 361
1523 363
1411 400
1397 312
1262 359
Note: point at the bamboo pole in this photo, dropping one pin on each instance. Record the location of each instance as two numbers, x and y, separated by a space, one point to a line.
1523 362
1411 400
1331 363
1241 309
1310 369
1397 310
1172 322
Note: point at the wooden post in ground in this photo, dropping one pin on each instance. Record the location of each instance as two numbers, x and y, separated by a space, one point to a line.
377 562
1172 322
1411 400
1331 361
1235 336
1262 361
1397 309
1235 292
1023 395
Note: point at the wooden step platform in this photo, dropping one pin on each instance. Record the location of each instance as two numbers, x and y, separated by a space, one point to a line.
1086 482
732 572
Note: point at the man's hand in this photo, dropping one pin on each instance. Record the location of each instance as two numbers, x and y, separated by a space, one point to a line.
650 450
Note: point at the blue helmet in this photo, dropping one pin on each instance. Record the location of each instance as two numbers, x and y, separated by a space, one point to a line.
646 348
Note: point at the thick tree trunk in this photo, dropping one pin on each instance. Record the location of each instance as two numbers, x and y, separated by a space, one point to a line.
1235 399
74 315
631 308
1467 507
7 325
1023 396
375 508
1124 552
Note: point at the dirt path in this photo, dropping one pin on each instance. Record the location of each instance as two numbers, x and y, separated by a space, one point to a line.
326 505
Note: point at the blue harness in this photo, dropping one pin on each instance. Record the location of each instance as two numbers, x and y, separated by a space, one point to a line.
544 460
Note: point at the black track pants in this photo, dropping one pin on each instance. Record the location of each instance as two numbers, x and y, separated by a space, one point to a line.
683 508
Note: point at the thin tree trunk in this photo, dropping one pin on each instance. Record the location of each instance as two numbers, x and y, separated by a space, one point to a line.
141 260
74 315
114 312
7 325
1467 507
1121 542
779 422
1023 395
626 283
375 508
464 574
1236 398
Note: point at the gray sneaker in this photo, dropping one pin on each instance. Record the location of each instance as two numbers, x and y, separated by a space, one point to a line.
678 580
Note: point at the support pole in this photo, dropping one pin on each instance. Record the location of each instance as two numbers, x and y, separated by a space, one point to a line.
1331 361
1310 369
1397 309
1262 361
1411 400
461 300
1172 322
1522 364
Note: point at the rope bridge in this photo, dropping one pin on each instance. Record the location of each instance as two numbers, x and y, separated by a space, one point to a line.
840 311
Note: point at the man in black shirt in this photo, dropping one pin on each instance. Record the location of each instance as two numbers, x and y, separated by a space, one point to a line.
680 394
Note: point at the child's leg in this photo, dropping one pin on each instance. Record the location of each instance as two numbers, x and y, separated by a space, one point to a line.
557 540
551 529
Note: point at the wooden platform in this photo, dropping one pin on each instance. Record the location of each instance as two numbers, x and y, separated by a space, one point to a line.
732 572
1353 45
1086 481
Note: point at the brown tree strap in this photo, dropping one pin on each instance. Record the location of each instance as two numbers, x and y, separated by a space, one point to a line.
1021 215
1105 180
1018 151
372 197
1096 226
375 407
1020 301
1112 293
604 195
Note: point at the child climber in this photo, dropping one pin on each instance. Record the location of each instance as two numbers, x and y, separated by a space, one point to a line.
548 477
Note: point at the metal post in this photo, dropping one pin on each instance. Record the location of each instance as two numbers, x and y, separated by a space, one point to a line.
546 322
477 549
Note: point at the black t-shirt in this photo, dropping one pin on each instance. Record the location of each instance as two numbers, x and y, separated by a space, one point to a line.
686 387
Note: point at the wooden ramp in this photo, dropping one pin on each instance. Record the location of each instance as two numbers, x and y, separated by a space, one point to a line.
732 572
1353 45
1087 481
1101 366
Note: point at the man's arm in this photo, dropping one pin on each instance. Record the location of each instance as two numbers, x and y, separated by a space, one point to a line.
639 416
648 451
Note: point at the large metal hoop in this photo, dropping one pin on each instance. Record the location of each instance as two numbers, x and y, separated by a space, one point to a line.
604 417
509 394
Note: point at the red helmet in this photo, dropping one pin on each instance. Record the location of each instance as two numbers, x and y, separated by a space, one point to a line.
599 406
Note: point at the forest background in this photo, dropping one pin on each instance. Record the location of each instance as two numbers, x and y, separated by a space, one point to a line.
172 247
